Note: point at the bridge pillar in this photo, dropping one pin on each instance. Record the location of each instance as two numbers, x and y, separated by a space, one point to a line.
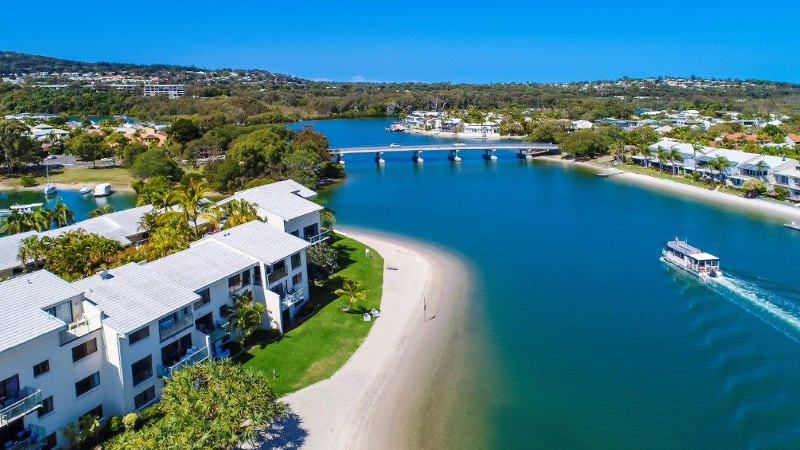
379 158
453 156
417 157
340 158
489 155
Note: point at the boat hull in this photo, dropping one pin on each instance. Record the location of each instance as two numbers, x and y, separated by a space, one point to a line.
678 265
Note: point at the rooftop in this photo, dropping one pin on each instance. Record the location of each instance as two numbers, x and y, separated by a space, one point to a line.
133 295
259 240
286 199
201 265
22 300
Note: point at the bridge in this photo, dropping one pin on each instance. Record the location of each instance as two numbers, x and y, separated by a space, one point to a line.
525 150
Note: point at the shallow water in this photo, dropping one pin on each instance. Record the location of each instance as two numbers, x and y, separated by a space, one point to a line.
590 340
80 204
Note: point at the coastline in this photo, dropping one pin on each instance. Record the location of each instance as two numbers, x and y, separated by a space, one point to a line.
450 135
754 205
384 396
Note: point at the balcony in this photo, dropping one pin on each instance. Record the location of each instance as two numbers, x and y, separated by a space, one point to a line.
170 328
33 437
317 238
27 400
277 275
189 360
81 327
292 299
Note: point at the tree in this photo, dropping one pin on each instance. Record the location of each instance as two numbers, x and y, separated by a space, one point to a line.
544 132
322 260
62 215
247 315
754 188
72 255
587 143
190 196
82 430
720 164
781 192
183 130
648 153
99 211
302 166
663 156
89 147
352 291
31 251
155 162
762 168
156 191
238 212
14 223
674 156
129 152
40 219
318 140
211 405
17 147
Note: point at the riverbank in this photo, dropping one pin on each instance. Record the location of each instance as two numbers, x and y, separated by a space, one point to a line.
756 205
384 396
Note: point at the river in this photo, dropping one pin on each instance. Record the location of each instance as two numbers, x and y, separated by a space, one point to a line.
587 339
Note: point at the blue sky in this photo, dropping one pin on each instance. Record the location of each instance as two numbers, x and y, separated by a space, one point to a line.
400 41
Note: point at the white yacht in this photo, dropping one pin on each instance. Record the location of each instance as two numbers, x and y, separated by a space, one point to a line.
49 188
26 209
103 190
396 126
691 259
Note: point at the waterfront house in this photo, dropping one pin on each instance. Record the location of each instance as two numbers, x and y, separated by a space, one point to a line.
792 139
788 176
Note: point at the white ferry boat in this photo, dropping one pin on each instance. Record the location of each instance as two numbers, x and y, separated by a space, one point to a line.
691 259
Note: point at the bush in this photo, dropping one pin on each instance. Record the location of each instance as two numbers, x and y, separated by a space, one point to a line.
781 193
27 180
155 162
332 170
129 421
116 424
323 260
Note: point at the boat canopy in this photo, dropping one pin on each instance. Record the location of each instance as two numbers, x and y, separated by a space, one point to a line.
695 253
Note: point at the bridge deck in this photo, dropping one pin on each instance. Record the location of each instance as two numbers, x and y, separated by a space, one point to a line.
445 147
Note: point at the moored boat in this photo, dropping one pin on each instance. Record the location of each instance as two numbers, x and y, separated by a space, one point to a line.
26 209
396 126
691 259
103 190
85 190
50 189
795 225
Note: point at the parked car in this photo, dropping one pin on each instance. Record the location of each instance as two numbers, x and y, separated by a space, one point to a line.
52 156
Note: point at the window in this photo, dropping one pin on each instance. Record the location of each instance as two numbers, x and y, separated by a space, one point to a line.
175 323
144 397
295 233
138 335
172 353
235 282
87 384
51 441
278 271
296 260
42 367
246 278
47 406
257 275
297 278
97 411
83 350
62 310
9 389
142 369
205 298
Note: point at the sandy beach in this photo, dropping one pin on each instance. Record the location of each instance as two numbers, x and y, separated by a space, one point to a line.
777 210
380 396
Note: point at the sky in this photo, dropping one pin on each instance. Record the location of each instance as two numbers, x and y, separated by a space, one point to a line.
455 41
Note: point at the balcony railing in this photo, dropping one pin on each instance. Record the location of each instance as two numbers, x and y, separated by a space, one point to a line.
166 331
28 399
81 327
277 275
324 234
188 360
292 299
34 438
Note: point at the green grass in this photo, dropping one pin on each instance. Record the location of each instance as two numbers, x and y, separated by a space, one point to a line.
322 344
117 176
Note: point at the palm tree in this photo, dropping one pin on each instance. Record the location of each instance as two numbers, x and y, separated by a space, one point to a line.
62 215
720 164
213 216
352 291
762 167
32 250
238 212
14 223
675 156
696 148
97 212
159 199
40 219
191 198
663 156
246 316
647 152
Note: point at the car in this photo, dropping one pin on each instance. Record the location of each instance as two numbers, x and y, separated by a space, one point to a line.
52 156
459 144
394 145
107 160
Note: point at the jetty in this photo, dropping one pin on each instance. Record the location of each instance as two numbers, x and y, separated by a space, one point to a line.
524 150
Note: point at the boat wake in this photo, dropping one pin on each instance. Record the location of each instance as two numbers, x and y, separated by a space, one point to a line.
774 304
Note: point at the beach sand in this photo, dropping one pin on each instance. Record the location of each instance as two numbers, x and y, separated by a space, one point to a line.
385 395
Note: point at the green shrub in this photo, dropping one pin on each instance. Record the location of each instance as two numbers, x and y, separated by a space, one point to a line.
115 424
781 192
27 180
129 421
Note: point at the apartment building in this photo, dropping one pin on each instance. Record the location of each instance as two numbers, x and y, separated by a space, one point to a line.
165 90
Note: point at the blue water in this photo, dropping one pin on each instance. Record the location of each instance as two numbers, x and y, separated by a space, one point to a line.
591 341
81 205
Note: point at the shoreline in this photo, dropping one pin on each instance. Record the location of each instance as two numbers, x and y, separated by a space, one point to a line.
384 395
686 191
60 187
451 135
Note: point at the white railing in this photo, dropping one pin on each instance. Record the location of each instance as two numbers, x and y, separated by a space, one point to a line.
292 299
321 236
79 328
188 360
29 399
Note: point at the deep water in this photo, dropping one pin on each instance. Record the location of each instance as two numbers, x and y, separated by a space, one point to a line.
593 341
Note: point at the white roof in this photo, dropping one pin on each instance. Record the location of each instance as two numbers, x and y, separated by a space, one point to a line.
259 240
734 156
133 296
201 265
286 199
22 300
703 256
9 247
117 225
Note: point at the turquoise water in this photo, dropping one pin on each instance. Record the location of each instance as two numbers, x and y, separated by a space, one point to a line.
81 205
593 342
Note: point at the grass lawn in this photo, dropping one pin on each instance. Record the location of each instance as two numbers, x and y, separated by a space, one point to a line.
322 344
115 175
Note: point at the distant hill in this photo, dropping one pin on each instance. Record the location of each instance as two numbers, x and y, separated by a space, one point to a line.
13 62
